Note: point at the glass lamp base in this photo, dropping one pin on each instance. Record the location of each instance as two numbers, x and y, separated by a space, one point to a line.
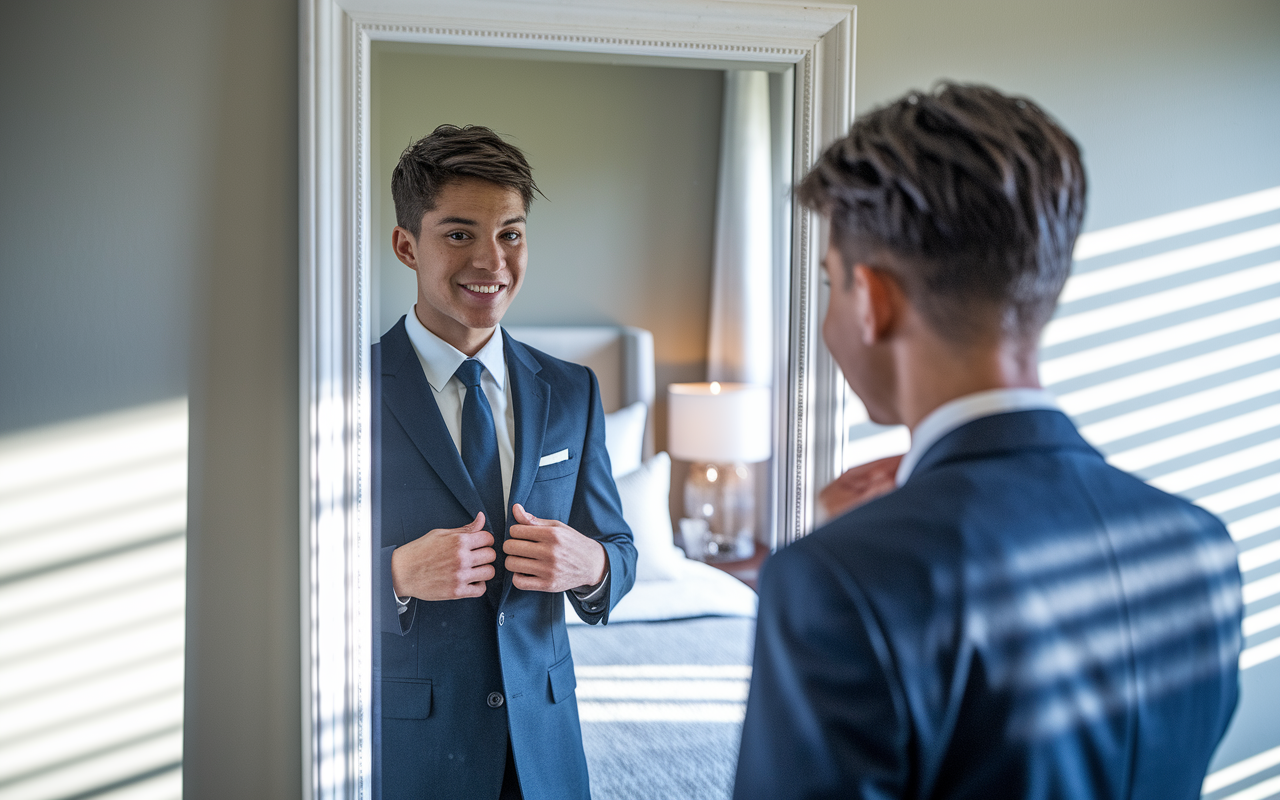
724 496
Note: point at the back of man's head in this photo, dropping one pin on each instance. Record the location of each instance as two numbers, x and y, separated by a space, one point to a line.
449 154
972 199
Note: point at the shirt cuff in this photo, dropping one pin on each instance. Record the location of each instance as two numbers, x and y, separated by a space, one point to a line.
402 603
590 594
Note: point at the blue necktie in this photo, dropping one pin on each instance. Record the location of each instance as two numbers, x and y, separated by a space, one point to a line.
480 457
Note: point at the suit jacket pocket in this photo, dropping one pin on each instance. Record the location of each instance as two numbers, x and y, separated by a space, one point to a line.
562 680
558 470
406 698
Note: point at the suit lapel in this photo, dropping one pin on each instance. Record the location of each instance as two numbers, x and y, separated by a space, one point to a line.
409 397
531 401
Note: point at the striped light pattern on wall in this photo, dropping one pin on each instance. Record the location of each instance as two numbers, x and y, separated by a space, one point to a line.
92 597
1165 350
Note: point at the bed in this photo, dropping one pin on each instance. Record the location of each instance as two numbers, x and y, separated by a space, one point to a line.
661 688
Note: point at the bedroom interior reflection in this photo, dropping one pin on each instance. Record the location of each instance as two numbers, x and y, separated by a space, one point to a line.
662 242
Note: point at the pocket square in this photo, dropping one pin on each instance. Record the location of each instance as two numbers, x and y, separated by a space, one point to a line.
554 458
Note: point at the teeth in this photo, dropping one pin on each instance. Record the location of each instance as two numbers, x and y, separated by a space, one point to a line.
482 288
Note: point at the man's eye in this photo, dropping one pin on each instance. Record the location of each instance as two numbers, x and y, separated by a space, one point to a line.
457 236
511 236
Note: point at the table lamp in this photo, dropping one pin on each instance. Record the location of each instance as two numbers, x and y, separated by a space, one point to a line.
721 427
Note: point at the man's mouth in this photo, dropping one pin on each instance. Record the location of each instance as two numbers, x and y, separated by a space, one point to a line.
482 288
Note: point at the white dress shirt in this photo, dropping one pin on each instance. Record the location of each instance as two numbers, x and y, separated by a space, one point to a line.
951 415
439 361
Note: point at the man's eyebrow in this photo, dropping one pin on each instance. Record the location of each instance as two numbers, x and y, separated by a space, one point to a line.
514 220
456 221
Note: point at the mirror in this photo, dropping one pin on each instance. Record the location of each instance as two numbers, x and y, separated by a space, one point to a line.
344 176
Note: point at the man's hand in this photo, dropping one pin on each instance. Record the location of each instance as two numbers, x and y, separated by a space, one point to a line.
858 485
445 563
545 555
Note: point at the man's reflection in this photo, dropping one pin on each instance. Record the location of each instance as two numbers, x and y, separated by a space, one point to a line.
482 441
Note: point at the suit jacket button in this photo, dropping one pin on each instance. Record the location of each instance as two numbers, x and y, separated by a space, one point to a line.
501 618
495 699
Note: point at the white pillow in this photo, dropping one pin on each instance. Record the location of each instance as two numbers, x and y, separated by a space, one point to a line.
644 494
624 437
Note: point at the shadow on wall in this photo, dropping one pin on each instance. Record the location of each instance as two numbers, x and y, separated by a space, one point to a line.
1165 351
92 594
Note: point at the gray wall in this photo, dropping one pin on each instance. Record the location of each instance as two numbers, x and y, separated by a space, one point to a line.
627 159
148 248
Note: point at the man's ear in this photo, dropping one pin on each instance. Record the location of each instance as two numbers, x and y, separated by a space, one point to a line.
405 246
879 301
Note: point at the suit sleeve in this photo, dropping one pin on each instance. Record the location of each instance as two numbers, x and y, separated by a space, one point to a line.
597 512
387 616
825 714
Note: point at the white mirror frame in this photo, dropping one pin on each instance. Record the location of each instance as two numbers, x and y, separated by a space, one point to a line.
336 328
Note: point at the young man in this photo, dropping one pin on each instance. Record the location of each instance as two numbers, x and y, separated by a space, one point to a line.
496 499
1016 619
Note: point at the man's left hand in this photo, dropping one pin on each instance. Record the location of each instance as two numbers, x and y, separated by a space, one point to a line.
545 555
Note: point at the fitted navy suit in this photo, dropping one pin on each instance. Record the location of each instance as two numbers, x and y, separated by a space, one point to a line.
1018 620
454 679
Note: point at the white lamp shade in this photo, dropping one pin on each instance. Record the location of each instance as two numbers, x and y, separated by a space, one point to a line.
719 422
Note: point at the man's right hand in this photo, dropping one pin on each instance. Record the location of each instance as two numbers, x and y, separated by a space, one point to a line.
859 485
445 563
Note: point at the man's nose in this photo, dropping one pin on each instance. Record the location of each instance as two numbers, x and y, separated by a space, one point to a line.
489 256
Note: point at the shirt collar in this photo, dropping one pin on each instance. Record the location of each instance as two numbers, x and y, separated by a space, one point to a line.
951 415
440 359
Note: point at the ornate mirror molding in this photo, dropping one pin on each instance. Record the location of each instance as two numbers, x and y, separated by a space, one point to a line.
336 326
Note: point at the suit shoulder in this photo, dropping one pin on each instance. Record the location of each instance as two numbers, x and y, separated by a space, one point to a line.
553 369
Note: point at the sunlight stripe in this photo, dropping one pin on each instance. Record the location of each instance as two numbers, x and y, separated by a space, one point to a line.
664 689
1218 468
92 772
1197 439
1158 304
1263 620
1240 770
1151 229
1260 556
1132 273
593 711
60 544
1253 656
59 453
1171 411
655 671
1126 351
892 442
1261 589
1152 380
1245 493
1255 524
100 578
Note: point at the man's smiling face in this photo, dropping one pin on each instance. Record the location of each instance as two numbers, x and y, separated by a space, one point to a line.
470 257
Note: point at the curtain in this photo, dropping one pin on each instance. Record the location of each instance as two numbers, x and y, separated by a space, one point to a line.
742 302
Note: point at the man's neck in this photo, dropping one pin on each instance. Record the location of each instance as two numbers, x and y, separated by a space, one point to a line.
937 372
468 341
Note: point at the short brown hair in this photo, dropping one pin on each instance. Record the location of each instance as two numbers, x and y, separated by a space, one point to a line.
975 197
449 154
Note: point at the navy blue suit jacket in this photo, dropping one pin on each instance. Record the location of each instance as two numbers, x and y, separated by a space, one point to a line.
1018 620
440 668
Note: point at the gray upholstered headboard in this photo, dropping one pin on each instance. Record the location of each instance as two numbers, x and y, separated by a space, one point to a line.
621 357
